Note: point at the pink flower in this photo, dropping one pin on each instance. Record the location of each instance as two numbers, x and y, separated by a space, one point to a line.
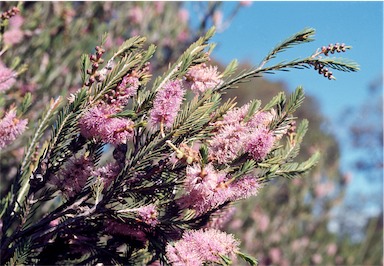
260 143
228 143
97 122
149 214
183 16
243 188
199 78
197 247
7 77
11 127
276 255
72 178
166 104
14 34
135 15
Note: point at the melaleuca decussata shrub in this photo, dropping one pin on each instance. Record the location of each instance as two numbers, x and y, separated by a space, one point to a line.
136 170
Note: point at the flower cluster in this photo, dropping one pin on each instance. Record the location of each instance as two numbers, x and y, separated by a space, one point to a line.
201 77
201 246
11 127
99 122
166 104
238 134
7 77
206 188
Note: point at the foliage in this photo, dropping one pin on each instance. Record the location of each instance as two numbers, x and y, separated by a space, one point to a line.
80 196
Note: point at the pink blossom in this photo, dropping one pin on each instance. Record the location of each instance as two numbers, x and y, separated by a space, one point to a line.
276 255
197 247
199 78
260 143
245 3
331 249
261 219
317 258
166 104
149 214
97 122
228 143
11 127
204 180
14 34
7 77
135 15
72 178
243 188
183 16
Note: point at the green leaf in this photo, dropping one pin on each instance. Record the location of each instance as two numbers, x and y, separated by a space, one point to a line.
248 258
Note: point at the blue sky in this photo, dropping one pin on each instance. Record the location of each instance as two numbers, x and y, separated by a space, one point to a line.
258 28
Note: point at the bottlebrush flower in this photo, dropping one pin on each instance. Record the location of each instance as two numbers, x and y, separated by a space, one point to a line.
148 214
260 143
97 122
197 247
243 188
11 127
228 143
7 77
199 78
166 104
72 178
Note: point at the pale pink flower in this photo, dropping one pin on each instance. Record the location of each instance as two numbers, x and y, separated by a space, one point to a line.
97 122
166 104
7 77
331 249
204 180
200 77
275 254
246 3
261 219
11 127
183 16
197 247
72 178
243 188
149 214
217 18
317 258
260 143
228 143
14 34
135 15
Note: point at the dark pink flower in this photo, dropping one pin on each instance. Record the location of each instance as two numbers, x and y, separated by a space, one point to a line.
197 247
260 143
166 104
148 214
7 77
11 127
72 178
199 78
